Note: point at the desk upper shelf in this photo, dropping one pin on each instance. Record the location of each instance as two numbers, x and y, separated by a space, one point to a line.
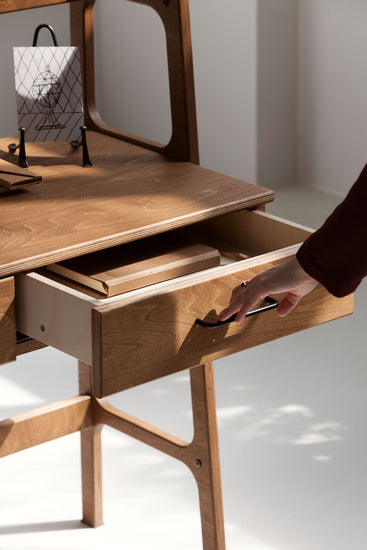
129 193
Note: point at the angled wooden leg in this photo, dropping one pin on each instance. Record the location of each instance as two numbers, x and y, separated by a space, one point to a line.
207 463
91 459
201 455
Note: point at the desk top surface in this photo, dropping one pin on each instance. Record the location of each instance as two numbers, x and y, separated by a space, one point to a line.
129 193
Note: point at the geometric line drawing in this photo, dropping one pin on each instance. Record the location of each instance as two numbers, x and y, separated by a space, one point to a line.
49 92
46 91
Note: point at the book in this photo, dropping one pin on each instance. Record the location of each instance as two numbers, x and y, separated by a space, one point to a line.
137 264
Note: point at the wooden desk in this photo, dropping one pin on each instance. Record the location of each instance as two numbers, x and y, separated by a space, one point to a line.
136 189
128 194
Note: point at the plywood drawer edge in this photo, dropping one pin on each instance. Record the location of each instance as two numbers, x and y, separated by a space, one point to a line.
7 320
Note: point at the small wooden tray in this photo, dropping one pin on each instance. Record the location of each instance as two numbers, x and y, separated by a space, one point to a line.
137 264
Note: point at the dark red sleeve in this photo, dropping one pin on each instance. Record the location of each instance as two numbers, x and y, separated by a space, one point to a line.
336 254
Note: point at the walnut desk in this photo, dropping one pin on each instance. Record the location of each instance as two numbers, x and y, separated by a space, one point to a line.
136 189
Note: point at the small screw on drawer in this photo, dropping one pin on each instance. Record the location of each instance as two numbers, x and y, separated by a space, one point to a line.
198 463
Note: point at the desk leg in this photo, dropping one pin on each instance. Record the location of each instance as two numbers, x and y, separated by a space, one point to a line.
91 459
201 455
207 464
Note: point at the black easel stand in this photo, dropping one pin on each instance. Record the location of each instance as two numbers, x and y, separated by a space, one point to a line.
83 141
22 160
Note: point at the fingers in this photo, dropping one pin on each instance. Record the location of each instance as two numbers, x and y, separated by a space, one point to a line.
286 277
243 300
234 304
288 303
250 299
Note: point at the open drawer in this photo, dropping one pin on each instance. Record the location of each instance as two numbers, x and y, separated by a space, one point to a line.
148 333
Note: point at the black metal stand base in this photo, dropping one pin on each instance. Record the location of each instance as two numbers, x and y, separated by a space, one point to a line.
83 141
22 160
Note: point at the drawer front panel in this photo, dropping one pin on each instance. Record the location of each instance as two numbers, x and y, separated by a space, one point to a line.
7 321
151 332
156 336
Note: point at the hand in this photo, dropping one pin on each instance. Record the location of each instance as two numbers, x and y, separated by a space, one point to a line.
287 277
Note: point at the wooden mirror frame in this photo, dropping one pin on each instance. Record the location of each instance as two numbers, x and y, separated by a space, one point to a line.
175 16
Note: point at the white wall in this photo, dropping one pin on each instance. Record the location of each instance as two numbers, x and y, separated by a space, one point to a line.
277 56
224 49
130 52
332 92
132 86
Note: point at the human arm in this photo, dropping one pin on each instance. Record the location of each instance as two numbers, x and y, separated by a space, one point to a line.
335 256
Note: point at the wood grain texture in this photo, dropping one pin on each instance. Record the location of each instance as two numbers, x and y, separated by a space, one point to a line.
151 332
129 193
7 320
91 458
207 460
44 424
28 346
7 6
139 429
60 316
175 16
157 336
49 314
138 264
254 231
201 455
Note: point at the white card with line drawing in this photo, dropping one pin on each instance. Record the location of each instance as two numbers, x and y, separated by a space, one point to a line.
49 92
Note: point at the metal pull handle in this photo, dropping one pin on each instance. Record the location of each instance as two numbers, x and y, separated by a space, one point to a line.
270 303
44 26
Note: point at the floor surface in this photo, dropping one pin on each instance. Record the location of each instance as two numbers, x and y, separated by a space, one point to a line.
292 426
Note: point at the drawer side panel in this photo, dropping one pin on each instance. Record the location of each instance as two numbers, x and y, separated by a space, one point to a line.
7 320
54 317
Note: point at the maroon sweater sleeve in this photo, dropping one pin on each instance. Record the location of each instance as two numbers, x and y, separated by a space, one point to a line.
336 254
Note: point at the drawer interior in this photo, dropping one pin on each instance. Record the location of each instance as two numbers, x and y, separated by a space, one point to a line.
237 236
247 232
58 312
144 334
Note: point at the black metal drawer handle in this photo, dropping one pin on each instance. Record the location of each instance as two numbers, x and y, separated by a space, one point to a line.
270 303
